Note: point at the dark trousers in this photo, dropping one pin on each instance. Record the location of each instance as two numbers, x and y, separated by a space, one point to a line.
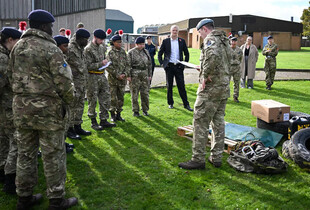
177 72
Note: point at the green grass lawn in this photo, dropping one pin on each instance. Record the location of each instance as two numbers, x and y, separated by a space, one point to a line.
134 166
285 59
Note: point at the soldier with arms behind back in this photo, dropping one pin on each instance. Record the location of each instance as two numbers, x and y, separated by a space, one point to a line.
118 71
42 86
236 66
212 95
270 51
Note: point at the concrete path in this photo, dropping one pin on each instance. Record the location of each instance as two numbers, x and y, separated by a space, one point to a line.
191 76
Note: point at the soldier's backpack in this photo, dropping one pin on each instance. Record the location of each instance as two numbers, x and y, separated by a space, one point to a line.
253 157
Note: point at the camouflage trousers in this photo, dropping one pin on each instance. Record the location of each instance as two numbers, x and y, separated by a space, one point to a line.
139 84
4 147
76 111
236 75
206 112
270 71
98 87
8 146
117 97
52 145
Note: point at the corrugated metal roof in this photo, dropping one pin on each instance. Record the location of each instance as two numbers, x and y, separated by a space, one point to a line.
113 14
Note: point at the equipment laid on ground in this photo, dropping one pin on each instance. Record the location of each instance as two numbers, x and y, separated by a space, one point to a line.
254 157
270 111
279 127
297 123
298 148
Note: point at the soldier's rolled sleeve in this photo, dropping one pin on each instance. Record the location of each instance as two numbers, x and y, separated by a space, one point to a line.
62 77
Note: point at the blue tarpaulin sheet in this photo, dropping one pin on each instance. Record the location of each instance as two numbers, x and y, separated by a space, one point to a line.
242 133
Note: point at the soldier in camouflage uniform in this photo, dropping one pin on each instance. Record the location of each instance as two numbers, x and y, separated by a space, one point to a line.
75 59
8 145
236 67
118 71
140 76
97 86
63 42
212 95
42 87
270 51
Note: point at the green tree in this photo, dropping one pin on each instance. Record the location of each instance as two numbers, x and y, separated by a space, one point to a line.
306 21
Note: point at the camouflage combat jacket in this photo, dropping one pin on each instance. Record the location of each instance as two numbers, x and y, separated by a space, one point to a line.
119 65
41 82
76 60
274 51
6 94
236 56
94 55
139 60
215 61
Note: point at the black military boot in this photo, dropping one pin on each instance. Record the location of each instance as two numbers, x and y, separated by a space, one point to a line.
119 117
192 165
94 125
61 203
113 116
9 184
216 164
106 124
80 131
68 148
24 203
71 134
2 175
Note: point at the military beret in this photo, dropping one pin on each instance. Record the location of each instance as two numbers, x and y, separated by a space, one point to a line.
234 39
11 32
148 37
80 25
61 40
116 37
82 33
269 37
140 40
204 22
41 16
99 33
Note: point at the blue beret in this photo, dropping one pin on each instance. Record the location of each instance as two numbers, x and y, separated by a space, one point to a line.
11 32
61 40
204 22
116 37
41 16
269 37
82 33
99 33
140 40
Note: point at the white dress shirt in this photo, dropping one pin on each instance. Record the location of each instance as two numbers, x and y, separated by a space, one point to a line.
174 51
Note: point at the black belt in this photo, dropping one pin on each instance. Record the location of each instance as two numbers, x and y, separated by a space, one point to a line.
174 64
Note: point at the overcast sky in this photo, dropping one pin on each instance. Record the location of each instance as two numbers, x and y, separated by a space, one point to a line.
146 12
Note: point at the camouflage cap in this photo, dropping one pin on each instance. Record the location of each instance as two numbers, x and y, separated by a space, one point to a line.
204 22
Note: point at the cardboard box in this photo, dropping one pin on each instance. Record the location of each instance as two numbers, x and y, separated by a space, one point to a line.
270 111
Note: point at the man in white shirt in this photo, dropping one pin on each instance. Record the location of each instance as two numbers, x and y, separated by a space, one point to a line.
173 49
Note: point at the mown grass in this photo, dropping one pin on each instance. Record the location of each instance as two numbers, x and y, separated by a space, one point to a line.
285 59
134 166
